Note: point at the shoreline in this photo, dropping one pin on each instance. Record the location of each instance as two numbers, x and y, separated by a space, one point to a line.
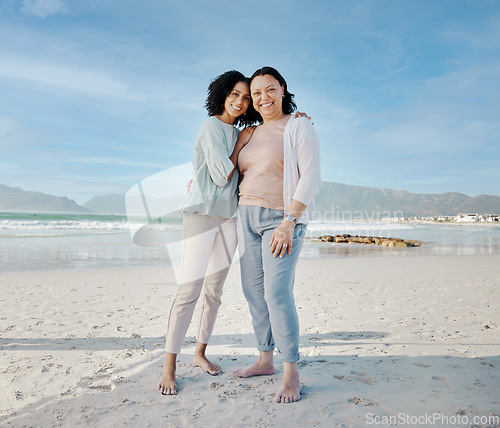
414 221
62 245
314 250
377 335
451 223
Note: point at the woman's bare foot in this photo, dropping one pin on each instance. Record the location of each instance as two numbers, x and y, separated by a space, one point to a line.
167 385
201 361
205 364
263 366
289 391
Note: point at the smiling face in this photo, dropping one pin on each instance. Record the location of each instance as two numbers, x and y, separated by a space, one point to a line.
236 103
267 97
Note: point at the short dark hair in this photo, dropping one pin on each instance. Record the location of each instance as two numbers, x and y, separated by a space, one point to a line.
288 105
220 88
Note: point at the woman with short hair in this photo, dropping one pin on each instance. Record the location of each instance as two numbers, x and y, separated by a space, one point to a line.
280 166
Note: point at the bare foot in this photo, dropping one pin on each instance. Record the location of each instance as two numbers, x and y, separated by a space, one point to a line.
289 391
205 364
260 368
167 385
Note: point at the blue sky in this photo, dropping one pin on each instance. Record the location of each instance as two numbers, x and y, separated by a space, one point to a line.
96 95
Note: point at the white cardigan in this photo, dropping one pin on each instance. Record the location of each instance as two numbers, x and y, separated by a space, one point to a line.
301 165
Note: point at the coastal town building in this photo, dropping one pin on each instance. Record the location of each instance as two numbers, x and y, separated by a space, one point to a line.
459 218
468 218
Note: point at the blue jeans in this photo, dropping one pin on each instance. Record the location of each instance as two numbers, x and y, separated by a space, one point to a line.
268 281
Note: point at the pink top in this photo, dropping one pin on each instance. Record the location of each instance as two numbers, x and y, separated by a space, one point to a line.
261 164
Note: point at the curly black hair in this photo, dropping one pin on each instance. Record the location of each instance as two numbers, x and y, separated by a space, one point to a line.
220 88
288 105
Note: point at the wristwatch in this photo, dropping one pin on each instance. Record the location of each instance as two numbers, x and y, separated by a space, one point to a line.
291 218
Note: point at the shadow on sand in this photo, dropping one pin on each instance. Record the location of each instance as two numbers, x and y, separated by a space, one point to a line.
338 390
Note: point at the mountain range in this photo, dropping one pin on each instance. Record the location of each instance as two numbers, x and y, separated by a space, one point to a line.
14 199
334 201
369 202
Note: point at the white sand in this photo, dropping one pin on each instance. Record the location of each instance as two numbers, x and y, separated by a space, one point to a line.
407 337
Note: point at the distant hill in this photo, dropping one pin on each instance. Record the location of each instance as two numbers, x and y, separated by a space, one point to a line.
16 199
107 204
342 200
335 201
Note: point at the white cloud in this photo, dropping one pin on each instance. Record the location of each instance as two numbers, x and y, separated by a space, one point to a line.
116 162
16 137
7 125
44 8
476 81
66 77
8 168
486 38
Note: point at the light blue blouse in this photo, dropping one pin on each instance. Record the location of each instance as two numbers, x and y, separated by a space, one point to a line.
211 193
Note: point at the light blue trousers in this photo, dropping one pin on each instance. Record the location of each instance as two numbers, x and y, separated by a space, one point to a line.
268 282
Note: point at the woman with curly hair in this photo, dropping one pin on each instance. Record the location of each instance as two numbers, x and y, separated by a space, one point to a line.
209 228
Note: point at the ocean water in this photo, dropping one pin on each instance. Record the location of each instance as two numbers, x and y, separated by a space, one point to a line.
40 242
439 238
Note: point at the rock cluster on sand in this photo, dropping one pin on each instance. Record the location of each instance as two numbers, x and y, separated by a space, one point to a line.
374 240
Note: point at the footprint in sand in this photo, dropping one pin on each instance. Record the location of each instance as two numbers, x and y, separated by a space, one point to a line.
103 380
358 401
217 385
328 410
442 379
439 378
356 377
427 366
230 394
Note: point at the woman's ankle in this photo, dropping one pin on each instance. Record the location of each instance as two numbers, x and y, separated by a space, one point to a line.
266 358
200 349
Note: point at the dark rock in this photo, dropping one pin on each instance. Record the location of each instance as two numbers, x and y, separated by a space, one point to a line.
371 240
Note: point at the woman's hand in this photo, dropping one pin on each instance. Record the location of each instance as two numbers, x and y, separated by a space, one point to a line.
188 186
282 239
300 114
245 136
242 141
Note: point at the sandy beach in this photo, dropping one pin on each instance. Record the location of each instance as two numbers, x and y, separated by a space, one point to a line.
404 340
